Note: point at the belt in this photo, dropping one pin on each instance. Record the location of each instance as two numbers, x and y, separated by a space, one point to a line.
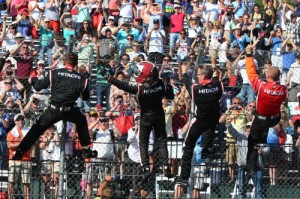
61 108
266 118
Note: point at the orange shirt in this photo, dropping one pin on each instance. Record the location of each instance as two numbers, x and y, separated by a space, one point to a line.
13 139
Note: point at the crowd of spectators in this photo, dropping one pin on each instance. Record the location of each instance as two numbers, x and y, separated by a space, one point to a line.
117 35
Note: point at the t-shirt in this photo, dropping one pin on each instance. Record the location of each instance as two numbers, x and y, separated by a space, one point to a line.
156 41
177 22
16 136
47 36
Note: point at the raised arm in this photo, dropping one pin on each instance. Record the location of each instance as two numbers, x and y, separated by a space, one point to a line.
251 69
186 80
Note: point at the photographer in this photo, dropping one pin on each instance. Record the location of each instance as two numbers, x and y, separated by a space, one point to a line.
103 143
47 36
155 39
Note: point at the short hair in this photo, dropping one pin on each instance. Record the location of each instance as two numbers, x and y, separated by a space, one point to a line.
72 59
206 70
274 73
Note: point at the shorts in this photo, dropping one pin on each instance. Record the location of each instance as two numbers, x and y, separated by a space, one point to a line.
198 177
17 168
49 167
231 152
98 170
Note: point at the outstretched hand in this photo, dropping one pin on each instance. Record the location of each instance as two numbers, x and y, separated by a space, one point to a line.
249 49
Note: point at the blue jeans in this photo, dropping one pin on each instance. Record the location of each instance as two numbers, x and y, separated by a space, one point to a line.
243 182
173 38
84 104
101 92
247 94
3 149
48 50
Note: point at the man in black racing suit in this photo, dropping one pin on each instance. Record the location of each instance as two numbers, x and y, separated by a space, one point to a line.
66 85
150 91
206 96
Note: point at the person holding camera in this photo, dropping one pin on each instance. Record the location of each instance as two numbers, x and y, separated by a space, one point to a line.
104 144
47 37
155 39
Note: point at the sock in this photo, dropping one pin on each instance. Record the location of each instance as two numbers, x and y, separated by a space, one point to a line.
86 147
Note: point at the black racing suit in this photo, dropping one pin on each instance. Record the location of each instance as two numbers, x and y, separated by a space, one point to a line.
152 115
206 97
65 87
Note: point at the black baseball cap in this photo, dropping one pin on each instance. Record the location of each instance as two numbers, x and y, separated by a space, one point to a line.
156 21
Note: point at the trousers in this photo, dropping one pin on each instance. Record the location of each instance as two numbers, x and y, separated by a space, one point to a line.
198 127
155 121
258 135
50 117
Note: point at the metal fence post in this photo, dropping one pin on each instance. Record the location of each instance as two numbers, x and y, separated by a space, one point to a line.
62 161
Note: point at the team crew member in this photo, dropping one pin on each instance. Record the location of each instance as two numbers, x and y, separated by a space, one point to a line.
66 86
150 91
206 96
270 96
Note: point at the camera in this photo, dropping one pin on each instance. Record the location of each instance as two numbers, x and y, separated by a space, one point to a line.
9 72
236 108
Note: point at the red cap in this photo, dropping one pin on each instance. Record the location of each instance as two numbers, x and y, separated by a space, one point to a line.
33 74
98 106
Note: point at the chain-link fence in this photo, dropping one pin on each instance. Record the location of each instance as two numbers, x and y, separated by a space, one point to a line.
117 171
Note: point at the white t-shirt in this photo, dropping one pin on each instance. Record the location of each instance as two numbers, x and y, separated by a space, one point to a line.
35 14
294 72
222 52
126 10
133 149
156 41
214 9
104 144
194 31
241 66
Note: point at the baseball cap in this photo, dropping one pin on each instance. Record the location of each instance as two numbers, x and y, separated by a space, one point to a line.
41 62
177 6
46 19
18 117
249 124
155 20
111 17
236 45
137 115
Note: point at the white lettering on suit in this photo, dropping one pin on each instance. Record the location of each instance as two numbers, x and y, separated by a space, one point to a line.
209 90
69 75
272 92
153 90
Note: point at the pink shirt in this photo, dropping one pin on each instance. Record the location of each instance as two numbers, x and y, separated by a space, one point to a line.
177 22
112 4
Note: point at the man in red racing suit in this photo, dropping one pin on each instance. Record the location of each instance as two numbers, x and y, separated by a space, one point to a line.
270 96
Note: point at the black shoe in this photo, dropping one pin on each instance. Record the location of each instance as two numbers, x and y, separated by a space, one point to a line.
18 155
167 171
88 153
146 173
182 182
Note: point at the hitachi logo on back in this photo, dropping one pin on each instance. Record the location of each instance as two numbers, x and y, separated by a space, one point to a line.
272 92
154 90
69 75
209 90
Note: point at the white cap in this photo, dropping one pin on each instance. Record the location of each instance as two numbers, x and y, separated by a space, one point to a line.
249 123
46 19
136 115
177 6
17 116
41 62
19 35
111 17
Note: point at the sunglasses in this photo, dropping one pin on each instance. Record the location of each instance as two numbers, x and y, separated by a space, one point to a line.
125 59
252 106
9 83
41 64
166 59
248 126
129 38
181 105
110 20
236 102
47 21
